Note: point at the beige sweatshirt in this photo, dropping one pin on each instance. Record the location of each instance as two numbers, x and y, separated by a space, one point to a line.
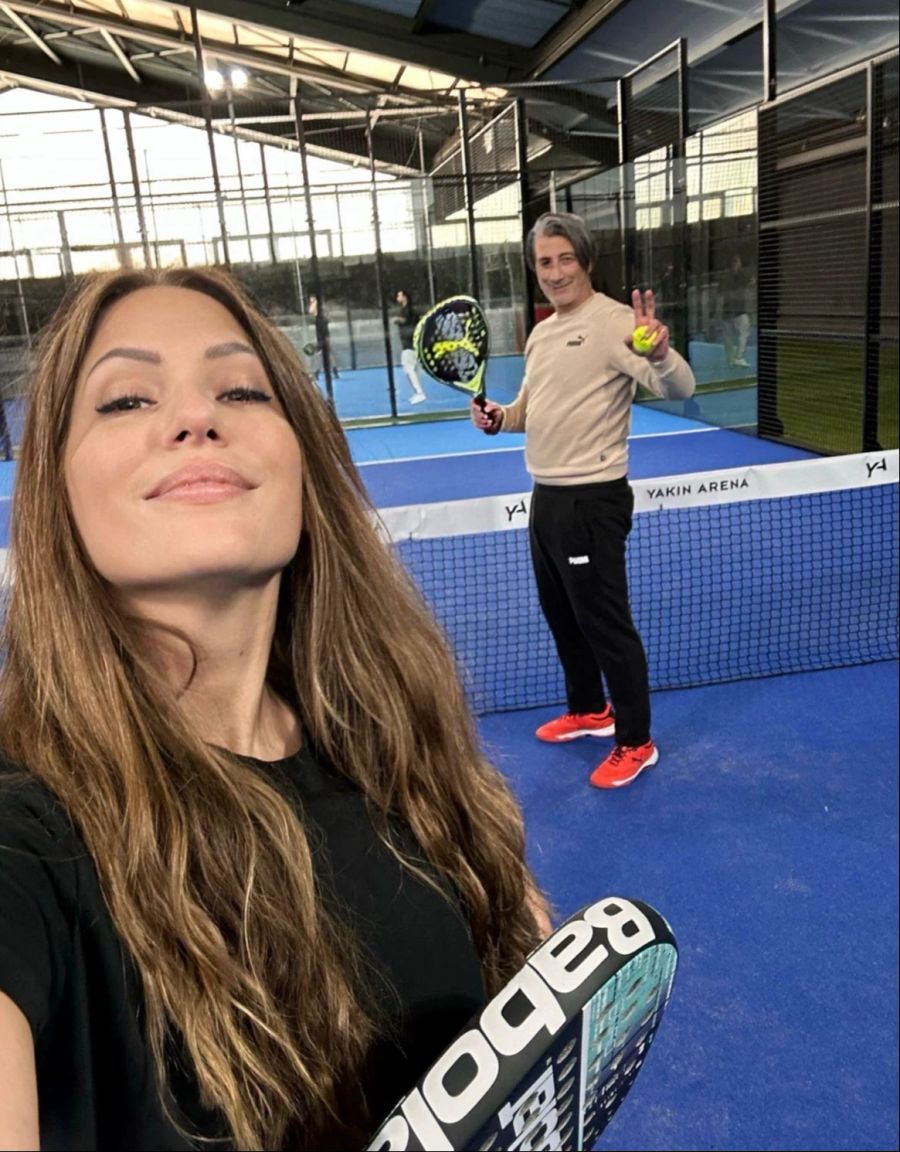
580 381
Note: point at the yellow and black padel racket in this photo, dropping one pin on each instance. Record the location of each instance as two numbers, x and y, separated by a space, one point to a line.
452 343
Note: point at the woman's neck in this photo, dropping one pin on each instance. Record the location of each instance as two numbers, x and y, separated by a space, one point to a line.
215 652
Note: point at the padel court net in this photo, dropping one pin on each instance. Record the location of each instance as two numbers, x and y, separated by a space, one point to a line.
733 574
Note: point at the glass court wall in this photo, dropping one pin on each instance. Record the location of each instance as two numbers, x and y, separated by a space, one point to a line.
694 195
140 191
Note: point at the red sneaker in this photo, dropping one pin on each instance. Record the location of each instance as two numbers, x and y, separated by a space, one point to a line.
624 764
571 726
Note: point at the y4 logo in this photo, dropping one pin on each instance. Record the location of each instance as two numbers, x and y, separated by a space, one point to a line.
875 466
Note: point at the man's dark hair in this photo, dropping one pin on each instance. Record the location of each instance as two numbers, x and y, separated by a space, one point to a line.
566 224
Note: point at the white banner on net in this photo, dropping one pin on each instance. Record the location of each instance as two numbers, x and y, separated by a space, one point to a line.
723 486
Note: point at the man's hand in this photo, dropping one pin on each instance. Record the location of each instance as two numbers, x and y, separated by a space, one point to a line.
489 418
644 306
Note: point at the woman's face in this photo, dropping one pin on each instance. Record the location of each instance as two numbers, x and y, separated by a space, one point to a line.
181 467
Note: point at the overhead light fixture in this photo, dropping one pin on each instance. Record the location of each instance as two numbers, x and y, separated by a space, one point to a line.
214 80
239 78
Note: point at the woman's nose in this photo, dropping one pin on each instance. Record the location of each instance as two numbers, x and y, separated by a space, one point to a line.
187 433
196 418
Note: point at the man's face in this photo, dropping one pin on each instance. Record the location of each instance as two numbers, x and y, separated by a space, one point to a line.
562 279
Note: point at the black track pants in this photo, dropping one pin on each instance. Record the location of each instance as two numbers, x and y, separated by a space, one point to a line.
578 536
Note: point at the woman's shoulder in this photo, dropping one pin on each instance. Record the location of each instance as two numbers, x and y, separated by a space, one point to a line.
19 786
44 898
32 817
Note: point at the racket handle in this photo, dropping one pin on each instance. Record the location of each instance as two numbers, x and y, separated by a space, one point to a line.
492 416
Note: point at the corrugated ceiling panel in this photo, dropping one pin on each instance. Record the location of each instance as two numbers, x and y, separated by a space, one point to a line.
520 22
395 7
613 49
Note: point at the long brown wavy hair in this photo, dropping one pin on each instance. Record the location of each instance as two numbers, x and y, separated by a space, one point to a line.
204 864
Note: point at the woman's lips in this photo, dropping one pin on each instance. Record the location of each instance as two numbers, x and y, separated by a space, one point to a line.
201 483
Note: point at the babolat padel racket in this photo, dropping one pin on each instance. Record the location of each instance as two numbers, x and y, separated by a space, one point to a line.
452 343
550 1058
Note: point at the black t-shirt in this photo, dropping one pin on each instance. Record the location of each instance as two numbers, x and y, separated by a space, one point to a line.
409 318
62 963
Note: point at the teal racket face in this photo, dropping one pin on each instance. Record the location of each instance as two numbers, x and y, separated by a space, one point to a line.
550 1058
452 343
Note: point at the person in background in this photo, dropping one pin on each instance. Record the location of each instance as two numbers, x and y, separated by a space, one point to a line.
406 323
574 406
324 353
734 285
254 871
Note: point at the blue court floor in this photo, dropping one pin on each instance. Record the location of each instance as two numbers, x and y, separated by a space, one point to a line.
459 436
767 836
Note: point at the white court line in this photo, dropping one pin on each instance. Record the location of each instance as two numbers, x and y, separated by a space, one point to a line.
521 448
676 432
439 456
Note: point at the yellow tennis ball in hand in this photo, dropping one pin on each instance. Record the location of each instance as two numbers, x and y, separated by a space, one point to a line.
643 340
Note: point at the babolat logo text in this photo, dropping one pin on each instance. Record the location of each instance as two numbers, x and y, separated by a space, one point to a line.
579 560
505 1054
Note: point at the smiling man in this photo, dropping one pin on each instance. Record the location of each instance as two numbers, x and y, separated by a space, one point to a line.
581 374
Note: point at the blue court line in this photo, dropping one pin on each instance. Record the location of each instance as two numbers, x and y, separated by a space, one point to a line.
453 437
518 445
436 479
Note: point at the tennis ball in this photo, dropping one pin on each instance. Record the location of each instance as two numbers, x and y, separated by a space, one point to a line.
643 341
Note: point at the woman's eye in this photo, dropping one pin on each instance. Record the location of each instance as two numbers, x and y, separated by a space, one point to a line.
123 404
246 395
132 403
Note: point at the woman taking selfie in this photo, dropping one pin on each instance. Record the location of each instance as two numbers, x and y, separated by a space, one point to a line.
254 872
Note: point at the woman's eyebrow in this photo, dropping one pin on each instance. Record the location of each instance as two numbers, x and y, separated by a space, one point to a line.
142 354
229 348
145 356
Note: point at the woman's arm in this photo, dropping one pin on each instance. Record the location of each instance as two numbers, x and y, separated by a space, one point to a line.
18 1081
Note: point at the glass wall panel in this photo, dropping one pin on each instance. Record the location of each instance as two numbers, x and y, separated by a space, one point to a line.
682 218
817 37
728 80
